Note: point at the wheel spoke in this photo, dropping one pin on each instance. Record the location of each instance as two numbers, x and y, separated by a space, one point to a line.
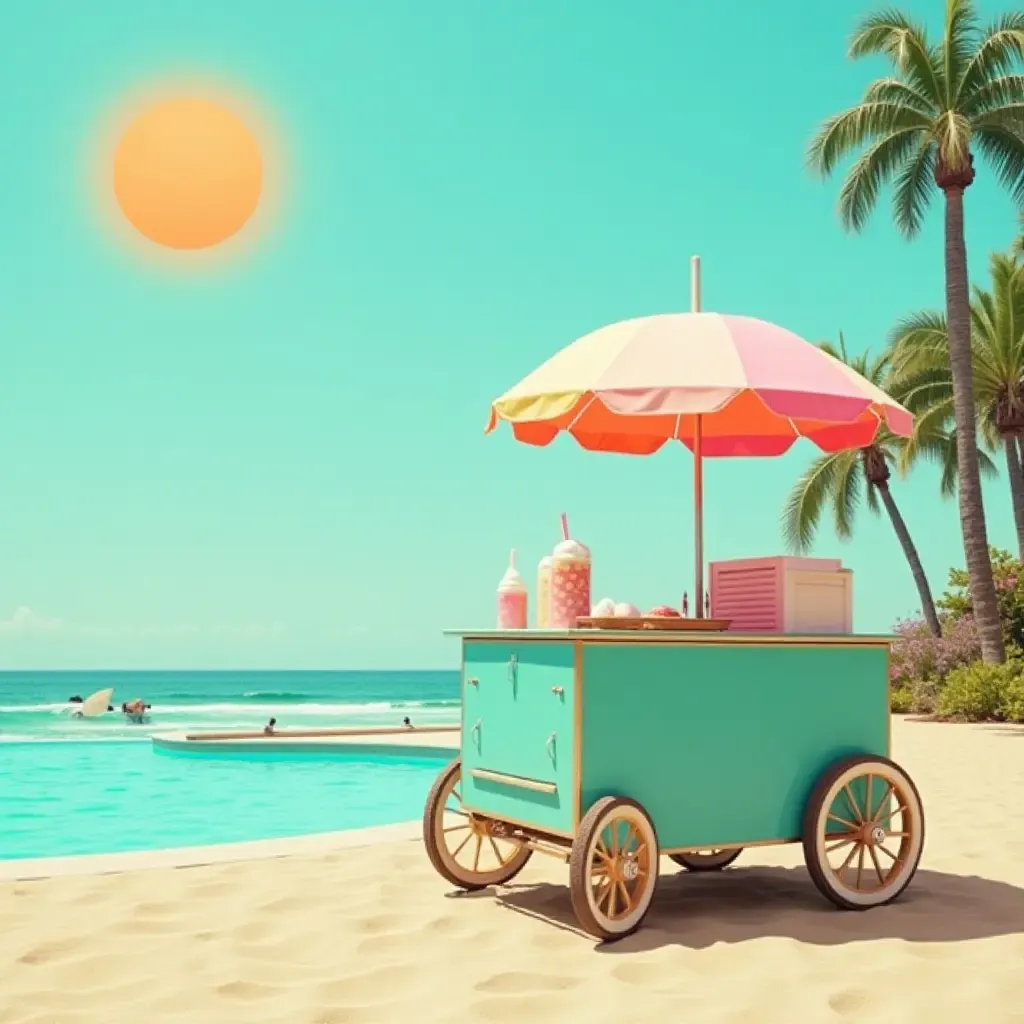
876 815
892 856
497 852
849 860
860 867
476 855
615 839
878 866
601 849
854 807
889 815
842 821
627 903
456 793
628 841
843 839
455 828
461 845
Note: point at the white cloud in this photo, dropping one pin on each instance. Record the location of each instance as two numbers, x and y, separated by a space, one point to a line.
24 621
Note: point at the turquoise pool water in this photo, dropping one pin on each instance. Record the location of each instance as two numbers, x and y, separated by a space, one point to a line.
62 799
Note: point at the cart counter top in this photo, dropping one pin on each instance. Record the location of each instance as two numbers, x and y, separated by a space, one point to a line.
657 636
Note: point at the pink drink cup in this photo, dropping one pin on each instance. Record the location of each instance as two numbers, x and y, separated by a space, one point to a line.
570 591
511 609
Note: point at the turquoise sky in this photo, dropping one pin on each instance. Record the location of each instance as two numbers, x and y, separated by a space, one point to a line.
280 461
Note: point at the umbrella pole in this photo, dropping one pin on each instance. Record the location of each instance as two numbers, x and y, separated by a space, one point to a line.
698 465
698 512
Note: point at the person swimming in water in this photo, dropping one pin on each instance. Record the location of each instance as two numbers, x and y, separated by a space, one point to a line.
135 709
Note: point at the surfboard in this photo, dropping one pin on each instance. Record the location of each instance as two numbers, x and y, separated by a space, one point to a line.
97 704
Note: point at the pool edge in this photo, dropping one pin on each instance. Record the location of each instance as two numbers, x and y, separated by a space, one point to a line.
310 844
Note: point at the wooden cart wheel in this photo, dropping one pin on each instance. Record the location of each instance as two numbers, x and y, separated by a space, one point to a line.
613 868
706 860
466 850
863 832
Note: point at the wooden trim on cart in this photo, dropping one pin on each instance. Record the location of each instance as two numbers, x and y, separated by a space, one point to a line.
577 728
513 780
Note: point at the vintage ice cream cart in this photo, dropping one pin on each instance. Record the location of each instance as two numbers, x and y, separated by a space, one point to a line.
611 749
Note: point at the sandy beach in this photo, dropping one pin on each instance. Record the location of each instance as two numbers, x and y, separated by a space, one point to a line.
372 936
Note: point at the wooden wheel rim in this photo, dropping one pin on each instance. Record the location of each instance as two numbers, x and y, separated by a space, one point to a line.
621 869
873 853
472 848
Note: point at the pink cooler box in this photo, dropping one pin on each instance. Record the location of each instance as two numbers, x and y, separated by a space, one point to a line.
783 595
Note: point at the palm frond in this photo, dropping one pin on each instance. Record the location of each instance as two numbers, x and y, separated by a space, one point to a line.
1000 138
807 500
903 94
891 34
961 30
849 131
875 168
846 496
993 95
913 188
919 340
1001 47
952 134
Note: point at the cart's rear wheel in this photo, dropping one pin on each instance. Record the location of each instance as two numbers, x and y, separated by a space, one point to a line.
863 832
613 868
469 851
706 860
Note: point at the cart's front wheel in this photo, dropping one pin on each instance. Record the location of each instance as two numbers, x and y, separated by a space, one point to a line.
863 832
466 850
706 860
613 868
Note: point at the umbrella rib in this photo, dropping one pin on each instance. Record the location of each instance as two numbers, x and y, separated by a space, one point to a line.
586 405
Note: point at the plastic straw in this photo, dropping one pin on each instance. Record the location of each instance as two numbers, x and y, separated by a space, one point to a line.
565 527
512 558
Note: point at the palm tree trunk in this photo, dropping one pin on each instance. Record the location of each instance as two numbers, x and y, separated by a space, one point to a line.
913 559
972 510
1016 475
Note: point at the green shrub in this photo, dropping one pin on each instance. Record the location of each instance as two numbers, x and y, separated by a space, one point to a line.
975 693
924 695
1012 700
900 700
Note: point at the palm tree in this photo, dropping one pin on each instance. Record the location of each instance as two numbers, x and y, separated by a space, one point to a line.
841 479
923 382
917 129
1017 249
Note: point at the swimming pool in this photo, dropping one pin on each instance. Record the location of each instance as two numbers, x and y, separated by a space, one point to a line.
64 799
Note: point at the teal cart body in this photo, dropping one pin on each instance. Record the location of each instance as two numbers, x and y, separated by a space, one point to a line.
612 749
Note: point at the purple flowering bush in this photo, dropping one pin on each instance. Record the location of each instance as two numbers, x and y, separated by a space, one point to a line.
944 674
921 662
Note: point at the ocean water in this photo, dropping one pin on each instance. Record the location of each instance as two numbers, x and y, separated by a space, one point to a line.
34 705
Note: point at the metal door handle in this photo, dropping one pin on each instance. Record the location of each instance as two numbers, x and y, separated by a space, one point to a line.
513 665
551 745
473 682
558 691
475 731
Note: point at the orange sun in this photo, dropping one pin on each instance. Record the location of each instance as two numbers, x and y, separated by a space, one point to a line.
188 174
